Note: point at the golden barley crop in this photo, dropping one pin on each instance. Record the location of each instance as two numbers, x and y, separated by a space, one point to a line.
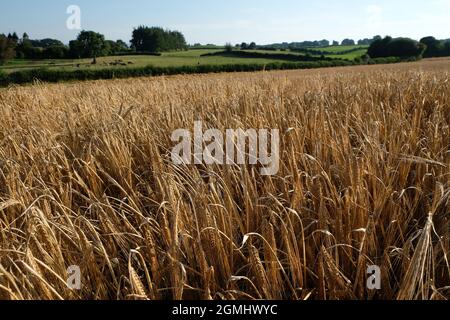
86 180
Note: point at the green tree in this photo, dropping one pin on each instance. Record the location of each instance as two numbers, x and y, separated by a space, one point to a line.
25 48
365 42
14 37
405 48
115 47
324 43
46 43
75 49
89 44
446 50
348 42
55 52
228 47
155 39
6 49
121 46
378 37
252 46
435 48
378 48
398 47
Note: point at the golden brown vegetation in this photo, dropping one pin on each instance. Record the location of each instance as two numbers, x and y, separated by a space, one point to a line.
86 179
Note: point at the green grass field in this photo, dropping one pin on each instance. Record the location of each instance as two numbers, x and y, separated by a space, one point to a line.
182 58
275 52
349 56
333 51
336 49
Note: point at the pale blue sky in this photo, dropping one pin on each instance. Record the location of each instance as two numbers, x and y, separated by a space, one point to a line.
212 21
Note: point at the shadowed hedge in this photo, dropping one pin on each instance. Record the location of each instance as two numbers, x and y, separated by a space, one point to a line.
49 75
263 55
324 53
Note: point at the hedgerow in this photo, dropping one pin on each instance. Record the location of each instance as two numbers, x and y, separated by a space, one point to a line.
55 75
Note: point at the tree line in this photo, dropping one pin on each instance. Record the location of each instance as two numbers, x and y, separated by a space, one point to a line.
436 48
157 39
319 44
396 47
90 44
57 75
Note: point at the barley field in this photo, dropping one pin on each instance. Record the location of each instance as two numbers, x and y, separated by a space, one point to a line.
86 179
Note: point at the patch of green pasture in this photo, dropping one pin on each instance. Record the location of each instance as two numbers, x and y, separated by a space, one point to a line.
168 59
349 56
335 49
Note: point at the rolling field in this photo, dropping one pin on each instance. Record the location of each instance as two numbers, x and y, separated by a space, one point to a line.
349 56
86 179
176 59
335 52
336 49
182 58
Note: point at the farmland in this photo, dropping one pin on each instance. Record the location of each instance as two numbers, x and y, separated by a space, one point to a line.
337 49
183 58
86 179
349 56
343 52
167 59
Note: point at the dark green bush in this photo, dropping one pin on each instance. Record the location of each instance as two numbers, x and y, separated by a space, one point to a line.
3 78
387 60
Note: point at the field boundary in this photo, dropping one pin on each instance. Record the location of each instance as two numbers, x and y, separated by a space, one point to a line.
278 56
53 76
